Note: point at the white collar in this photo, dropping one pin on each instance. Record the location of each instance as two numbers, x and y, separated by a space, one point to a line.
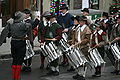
99 32
52 22
27 18
63 14
83 27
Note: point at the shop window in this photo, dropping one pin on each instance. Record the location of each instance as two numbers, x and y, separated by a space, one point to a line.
95 4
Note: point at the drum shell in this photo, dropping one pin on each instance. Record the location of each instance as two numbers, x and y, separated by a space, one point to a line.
115 59
95 58
76 58
51 51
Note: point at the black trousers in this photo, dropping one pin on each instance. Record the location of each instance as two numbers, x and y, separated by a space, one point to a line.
101 50
18 50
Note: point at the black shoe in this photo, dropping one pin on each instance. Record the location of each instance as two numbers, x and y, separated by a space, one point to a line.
48 67
50 72
28 69
23 68
42 66
96 75
80 78
118 72
114 72
76 76
56 73
71 69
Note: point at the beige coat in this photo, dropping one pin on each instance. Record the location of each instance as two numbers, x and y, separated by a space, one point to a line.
85 39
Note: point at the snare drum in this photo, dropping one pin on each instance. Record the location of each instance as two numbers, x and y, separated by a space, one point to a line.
51 51
95 57
76 58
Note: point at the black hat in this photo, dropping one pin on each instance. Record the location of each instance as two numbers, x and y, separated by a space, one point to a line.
85 10
83 18
52 15
27 11
64 6
105 14
76 17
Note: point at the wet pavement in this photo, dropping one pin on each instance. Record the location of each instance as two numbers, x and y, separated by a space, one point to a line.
37 74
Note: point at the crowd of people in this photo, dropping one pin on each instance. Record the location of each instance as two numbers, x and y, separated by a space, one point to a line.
81 32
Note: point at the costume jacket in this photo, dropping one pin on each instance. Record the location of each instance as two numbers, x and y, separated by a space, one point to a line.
115 32
65 20
98 37
52 31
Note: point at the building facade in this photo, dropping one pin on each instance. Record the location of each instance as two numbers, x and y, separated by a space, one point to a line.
7 7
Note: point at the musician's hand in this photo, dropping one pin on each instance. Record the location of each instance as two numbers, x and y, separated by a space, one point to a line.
54 39
96 46
39 41
72 46
41 44
109 43
117 38
65 30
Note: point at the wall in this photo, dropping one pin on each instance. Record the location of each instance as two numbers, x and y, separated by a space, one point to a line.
105 4
46 5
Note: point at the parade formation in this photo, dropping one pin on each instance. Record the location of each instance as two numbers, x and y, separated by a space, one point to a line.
79 41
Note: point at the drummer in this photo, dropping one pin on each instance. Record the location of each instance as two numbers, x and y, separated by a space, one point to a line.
98 39
82 39
115 37
72 33
53 33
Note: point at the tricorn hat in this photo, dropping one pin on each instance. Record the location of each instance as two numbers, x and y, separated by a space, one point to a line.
64 6
19 16
27 11
85 10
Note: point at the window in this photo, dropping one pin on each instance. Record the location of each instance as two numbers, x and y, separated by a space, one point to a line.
95 4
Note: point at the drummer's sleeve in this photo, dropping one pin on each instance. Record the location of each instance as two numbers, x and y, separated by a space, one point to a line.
59 33
4 34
